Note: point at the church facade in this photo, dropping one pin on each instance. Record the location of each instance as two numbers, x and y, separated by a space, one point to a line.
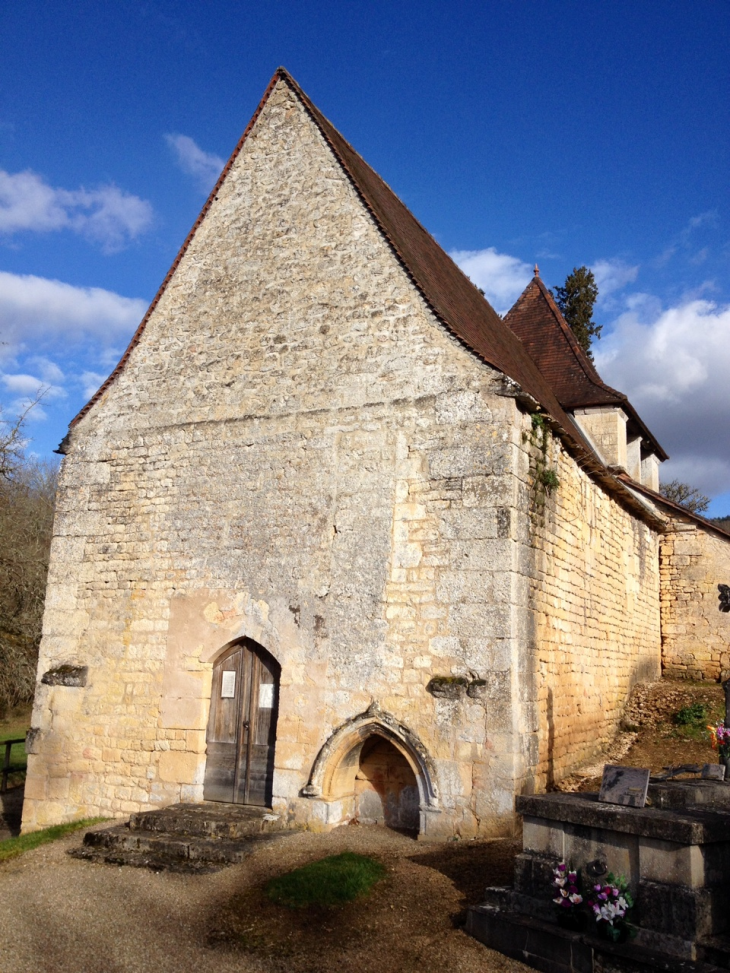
336 540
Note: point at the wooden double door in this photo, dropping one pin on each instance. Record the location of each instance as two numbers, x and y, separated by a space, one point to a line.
242 726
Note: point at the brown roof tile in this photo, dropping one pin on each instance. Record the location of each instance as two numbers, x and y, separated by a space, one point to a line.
537 321
676 508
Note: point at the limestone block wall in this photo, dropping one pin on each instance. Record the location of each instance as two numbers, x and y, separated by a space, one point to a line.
296 451
695 633
605 425
593 597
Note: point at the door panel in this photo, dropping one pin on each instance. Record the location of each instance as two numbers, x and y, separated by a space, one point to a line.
263 730
242 726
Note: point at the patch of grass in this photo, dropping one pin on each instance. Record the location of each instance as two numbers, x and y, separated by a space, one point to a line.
329 881
13 727
694 715
12 847
690 722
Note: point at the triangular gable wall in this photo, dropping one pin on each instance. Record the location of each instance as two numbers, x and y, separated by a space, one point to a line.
449 293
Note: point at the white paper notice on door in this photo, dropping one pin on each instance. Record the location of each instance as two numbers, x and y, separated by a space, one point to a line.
228 685
266 695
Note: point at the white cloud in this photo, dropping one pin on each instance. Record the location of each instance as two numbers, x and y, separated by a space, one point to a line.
205 166
91 382
674 366
30 392
49 370
685 241
106 215
36 308
500 276
22 384
611 275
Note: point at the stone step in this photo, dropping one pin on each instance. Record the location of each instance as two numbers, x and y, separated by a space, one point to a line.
715 949
208 819
183 837
164 852
142 859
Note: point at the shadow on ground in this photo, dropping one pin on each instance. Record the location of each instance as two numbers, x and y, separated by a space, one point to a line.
11 810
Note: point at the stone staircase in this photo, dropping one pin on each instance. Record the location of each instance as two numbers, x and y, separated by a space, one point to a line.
183 837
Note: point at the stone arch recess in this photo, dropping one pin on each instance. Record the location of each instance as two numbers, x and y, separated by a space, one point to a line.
219 653
332 764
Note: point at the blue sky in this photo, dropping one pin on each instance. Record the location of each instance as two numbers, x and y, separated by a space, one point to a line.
563 133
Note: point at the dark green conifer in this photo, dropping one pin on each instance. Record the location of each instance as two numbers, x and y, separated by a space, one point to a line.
576 299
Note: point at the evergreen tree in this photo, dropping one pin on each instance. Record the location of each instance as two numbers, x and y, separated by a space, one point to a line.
576 299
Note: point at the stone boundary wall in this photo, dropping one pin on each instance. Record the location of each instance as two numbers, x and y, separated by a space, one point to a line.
695 633
593 606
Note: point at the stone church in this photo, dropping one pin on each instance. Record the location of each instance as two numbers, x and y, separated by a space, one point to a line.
336 540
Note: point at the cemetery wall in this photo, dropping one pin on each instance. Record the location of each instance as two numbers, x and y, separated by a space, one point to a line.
593 605
695 633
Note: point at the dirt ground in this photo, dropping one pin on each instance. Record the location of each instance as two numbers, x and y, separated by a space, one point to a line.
61 915
650 737
67 916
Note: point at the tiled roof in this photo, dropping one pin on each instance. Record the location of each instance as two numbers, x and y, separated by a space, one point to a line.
676 508
538 323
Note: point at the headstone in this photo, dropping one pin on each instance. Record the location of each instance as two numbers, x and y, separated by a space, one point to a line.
624 785
713 772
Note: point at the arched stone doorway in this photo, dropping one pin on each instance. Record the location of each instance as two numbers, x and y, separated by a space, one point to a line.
241 734
385 786
374 769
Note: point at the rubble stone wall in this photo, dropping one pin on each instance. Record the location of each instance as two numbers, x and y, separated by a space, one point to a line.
593 597
695 633
298 452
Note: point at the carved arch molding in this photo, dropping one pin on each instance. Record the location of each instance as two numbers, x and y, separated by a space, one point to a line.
348 740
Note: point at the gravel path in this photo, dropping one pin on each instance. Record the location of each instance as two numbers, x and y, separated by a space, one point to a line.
61 915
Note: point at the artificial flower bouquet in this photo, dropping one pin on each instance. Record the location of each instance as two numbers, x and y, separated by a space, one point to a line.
567 897
721 742
609 901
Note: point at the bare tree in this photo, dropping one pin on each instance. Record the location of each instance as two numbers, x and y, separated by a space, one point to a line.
27 495
686 495
26 524
12 439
